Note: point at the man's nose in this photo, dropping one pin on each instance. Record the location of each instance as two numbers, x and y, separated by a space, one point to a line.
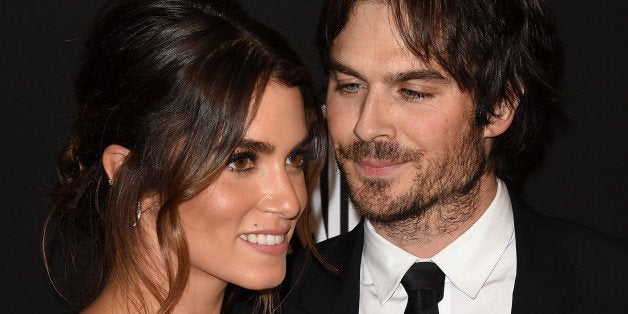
375 119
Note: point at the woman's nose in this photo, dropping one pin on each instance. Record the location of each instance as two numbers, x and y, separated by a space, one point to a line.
282 194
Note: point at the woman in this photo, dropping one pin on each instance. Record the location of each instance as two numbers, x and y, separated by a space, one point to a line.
197 144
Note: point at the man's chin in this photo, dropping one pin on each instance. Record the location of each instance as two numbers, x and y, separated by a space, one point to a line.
382 211
387 208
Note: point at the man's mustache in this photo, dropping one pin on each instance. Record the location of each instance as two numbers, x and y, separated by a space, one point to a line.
381 150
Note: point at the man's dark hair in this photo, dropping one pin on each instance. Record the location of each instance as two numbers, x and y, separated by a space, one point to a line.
498 51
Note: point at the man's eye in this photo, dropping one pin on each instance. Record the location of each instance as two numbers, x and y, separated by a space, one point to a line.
349 88
411 95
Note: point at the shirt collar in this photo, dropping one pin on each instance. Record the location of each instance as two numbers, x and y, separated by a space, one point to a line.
467 262
383 263
471 258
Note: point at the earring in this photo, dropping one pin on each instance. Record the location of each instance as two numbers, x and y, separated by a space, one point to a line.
138 213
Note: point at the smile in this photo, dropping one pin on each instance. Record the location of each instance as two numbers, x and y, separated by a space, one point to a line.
263 239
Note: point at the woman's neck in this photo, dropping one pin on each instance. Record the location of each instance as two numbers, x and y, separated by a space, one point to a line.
202 294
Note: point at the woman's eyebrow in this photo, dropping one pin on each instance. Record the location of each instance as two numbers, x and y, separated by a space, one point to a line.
258 146
267 148
304 142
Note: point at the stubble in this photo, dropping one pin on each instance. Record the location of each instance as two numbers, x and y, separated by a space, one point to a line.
443 195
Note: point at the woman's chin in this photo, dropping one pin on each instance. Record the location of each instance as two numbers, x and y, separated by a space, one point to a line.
263 280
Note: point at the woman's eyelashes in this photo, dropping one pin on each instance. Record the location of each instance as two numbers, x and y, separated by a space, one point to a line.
298 159
242 161
247 160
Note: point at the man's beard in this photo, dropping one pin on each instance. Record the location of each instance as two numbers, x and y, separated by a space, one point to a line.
452 181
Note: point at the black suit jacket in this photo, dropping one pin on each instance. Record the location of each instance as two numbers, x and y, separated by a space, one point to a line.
561 268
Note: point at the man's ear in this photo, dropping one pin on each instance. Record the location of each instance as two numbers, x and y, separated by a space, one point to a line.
112 158
499 123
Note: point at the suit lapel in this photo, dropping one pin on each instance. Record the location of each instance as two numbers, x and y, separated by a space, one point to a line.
334 293
348 300
545 282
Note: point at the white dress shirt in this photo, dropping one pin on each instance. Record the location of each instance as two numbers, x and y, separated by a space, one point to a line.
480 266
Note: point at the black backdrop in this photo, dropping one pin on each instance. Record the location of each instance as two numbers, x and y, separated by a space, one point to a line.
582 178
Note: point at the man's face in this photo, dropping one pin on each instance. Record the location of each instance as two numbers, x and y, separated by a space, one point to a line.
402 129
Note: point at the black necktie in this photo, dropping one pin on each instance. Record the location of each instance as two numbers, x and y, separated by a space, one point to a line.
424 283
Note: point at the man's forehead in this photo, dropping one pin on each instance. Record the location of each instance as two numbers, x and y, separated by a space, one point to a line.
371 40
368 17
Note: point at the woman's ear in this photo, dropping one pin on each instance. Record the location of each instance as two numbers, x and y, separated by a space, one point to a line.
500 122
112 158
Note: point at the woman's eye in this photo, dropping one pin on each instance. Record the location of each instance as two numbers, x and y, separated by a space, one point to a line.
296 160
241 162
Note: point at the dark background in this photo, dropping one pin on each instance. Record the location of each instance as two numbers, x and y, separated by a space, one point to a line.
582 179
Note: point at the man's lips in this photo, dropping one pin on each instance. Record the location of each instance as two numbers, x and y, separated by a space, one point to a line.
374 167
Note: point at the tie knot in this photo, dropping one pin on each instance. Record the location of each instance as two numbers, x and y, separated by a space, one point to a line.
424 282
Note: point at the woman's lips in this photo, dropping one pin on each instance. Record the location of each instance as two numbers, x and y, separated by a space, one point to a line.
263 239
270 243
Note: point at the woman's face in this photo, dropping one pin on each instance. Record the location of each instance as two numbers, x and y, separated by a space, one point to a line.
239 227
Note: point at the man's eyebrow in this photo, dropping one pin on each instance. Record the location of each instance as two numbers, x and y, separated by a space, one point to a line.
422 75
336 66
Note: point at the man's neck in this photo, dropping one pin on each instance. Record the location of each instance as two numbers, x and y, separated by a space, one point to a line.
438 226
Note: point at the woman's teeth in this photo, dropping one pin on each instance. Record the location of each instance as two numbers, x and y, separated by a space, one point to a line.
263 239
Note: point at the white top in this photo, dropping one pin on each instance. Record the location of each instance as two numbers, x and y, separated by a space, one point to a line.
480 266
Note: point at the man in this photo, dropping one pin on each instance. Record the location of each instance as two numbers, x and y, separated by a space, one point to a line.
432 106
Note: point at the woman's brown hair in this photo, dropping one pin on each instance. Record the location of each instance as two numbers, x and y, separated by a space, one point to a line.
173 81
